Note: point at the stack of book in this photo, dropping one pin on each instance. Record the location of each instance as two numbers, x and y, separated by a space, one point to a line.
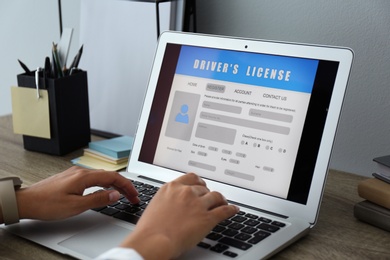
375 209
109 154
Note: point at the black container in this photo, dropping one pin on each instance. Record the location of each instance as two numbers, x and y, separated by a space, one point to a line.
69 113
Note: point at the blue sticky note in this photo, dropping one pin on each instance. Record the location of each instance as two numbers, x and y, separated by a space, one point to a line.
117 147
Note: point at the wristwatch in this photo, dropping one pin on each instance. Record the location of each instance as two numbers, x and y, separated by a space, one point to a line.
8 203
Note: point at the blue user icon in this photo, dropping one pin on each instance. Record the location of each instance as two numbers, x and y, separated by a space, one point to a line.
182 117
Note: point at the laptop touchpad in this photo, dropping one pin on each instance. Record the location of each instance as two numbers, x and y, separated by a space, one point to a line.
95 241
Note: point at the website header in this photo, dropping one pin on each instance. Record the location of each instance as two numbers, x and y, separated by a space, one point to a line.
287 73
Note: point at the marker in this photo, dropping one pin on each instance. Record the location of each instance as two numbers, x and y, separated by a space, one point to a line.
76 60
24 67
47 67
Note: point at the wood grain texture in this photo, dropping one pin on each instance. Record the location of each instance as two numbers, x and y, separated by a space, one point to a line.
337 234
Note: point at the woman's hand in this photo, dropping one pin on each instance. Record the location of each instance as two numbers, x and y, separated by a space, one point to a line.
61 195
180 215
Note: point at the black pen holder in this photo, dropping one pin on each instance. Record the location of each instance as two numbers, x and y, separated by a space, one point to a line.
68 111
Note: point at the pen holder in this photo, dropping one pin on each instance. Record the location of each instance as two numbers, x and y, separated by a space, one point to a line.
68 112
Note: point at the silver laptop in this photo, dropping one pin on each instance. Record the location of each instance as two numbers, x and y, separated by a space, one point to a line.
256 119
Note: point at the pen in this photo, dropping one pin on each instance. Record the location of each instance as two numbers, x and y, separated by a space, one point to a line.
24 67
76 60
47 67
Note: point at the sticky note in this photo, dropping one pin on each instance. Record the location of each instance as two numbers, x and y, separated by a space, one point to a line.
30 114
96 164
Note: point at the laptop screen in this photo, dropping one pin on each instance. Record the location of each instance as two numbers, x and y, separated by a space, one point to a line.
247 119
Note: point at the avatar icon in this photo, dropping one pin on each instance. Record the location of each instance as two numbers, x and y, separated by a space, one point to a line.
182 117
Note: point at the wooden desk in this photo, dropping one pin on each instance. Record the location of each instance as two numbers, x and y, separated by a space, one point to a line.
337 235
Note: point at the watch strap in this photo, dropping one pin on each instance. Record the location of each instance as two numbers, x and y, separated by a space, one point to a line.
8 199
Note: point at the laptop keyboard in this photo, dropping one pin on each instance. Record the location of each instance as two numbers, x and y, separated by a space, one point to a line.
124 210
241 231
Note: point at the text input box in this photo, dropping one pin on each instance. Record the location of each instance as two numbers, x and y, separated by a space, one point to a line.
216 133
222 107
245 123
271 115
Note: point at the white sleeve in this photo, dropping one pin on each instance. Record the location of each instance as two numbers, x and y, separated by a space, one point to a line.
120 253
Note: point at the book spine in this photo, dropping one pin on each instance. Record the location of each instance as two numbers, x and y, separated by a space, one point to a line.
375 191
372 214
380 168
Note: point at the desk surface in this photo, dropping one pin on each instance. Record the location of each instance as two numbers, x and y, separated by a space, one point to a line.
337 234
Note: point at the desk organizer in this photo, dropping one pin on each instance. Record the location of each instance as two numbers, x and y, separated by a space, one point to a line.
69 113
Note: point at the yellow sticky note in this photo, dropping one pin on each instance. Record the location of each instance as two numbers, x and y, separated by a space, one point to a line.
97 164
30 114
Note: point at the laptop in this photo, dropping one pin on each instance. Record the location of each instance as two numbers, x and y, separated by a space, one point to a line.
256 119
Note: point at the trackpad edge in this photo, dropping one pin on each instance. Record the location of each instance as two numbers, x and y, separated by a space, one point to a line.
96 240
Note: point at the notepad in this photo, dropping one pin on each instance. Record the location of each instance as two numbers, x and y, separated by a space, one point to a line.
30 114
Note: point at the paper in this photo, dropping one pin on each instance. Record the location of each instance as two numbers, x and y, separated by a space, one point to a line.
30 114
63 45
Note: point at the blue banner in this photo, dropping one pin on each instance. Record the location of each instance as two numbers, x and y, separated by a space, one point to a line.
282 72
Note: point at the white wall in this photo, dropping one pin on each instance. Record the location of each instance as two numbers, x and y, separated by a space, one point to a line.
119 39
364 26
27 31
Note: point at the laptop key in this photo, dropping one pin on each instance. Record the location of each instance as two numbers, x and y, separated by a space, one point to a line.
268 227
243 236
230 232
139 213
145 198
238 218
125 200
219 248
249 230
266 220
256 239
251 222
249 215
214 236
262 234
127 217
149 192
218 228
121 206
230 254
204 245
225 222
132 210
277 223
109 211
236 226
235 243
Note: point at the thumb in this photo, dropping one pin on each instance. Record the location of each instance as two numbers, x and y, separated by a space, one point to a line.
225 211
102 198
